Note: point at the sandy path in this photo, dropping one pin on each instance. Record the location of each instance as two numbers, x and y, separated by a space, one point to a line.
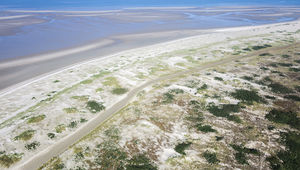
59 147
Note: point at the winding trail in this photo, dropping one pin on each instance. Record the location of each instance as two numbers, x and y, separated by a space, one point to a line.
56 149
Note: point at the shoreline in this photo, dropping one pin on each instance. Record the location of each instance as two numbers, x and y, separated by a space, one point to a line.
19 85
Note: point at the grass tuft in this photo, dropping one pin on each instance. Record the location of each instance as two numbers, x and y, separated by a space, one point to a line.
26 135
6 160
119 91
36 119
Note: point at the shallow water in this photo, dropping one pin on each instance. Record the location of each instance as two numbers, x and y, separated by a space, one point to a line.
60 30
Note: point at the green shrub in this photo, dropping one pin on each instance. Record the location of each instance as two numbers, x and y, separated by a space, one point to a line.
246 49
119 91
6 160
36 119
297 61
258 47
82 120
241 152
72 124
247 96
247 78
56 81
94 106
284 117
278 88
181 147
292 97
51 135
26 135
32 146
211 157
265 54
205 128
273 65
297 88
224 110
294 69
203 87
285 56
270 97
140 162
218 138
168 97
289 158
219 78
285 64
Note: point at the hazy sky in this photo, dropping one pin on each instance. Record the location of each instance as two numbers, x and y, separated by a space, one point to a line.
50 4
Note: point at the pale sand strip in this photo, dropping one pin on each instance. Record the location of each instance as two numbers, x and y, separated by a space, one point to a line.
14 17
54 55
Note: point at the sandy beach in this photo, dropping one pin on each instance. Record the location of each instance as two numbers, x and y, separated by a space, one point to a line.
136 69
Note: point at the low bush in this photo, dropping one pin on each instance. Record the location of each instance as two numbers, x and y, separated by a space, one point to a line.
285 64
278 88
297 88
241 152
32 146
224 110
294 69
94 106
246 49
292 97
211 157
141 162
284 117
82 120
265 54
51 135
247 78
73 124
289 158
205 128
285 56
297 61
218 138
247 96
203 87
219 78
181 147
259 47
